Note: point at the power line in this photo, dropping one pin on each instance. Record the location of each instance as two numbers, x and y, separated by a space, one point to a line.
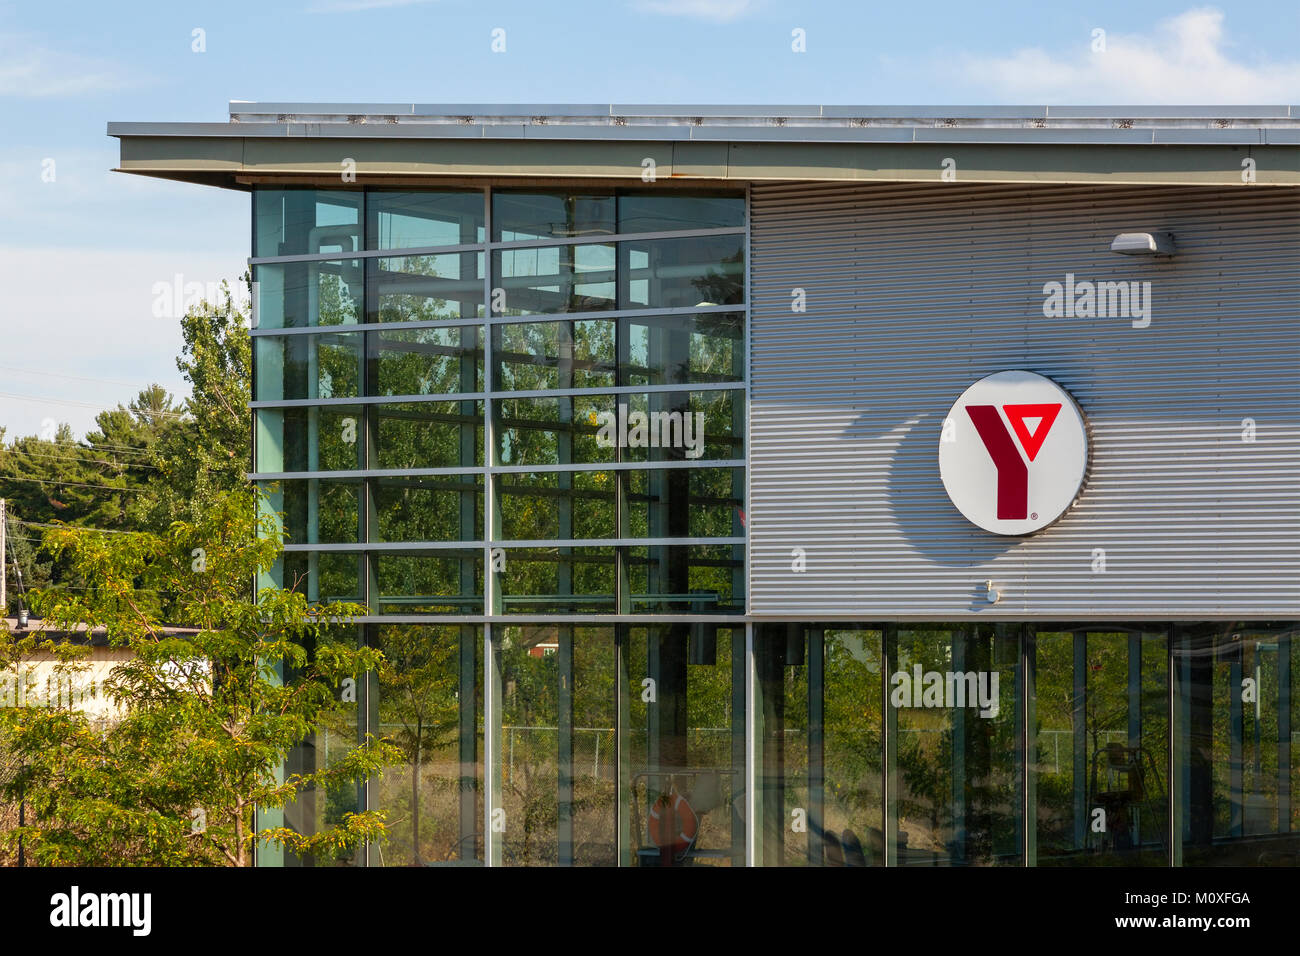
87 461
46 524
99 405
113 446
43 373
70 484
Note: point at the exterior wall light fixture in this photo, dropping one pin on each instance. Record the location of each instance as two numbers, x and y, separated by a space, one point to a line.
1143 244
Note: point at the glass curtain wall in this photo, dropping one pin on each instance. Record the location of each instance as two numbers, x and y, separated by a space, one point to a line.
525 403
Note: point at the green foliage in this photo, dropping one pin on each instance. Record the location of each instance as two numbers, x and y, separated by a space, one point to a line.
207 713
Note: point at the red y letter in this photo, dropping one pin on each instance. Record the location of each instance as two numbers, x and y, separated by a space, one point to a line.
1013 475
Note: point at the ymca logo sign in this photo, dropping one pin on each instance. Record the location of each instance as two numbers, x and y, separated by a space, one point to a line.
1013 455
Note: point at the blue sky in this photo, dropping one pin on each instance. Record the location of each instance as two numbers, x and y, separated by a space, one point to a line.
80 255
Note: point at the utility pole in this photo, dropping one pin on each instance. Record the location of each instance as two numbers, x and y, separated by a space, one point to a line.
4 574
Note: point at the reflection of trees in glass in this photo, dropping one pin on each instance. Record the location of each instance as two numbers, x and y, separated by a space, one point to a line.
419 712
852 735
529 752
726 285
1106 713
928 743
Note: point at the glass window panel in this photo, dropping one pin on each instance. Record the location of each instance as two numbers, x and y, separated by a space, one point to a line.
302 221
658 426
1235 740
518 216
685 746
429 582
531 356
686 579
429 434
684 502
303 294
557 770
429 699
413 220
328 365
337 733
315 510
325 438
676 426
428 361
552 505
957 765
1101 716
664 211
428 288
672 349
682 273
550 431
323 576
574 278
820 688
557 581
443 508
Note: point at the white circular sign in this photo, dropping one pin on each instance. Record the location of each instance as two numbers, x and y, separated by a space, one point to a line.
1013 454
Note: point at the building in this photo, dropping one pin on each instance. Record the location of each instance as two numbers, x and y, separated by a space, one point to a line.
670 450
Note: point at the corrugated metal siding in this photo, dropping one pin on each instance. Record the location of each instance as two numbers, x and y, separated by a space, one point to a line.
915 291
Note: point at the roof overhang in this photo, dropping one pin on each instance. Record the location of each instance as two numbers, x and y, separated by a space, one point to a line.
402 144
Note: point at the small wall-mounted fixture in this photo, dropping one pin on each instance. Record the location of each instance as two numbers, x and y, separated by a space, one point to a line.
991 594
1143 244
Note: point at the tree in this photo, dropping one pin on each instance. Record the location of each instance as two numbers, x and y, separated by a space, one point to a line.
207 715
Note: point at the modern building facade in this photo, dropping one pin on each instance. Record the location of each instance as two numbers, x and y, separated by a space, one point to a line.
690 463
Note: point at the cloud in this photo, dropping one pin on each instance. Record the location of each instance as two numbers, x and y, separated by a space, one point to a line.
1184 60
723 11
29 69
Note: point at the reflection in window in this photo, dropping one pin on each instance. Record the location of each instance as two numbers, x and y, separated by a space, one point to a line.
662 211
571 278
686 579
427 288
553 355
413 220
1236 717
328 365
429 434
305 221
429 694
316 807
673 349
427 361
429 582
441 508
304 294
684 746
820 757
682 273
316 511
557 770
1102 729
518 216
557 581
958 774
558 505
324 438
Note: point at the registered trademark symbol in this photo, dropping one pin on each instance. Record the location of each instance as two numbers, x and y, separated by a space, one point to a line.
1033 516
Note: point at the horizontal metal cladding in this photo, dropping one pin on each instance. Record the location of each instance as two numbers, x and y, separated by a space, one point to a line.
912 292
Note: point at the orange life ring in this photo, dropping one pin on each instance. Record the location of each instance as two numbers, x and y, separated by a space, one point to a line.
687 824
